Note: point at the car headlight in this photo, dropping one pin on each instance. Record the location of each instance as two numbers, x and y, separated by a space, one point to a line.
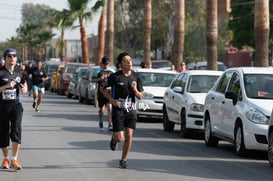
256 116
197 107
147 95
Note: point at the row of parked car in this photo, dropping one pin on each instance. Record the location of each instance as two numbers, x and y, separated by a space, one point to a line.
234 105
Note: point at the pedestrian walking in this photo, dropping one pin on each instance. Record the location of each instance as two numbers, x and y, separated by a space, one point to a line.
100 77
11 109
39 76
126 86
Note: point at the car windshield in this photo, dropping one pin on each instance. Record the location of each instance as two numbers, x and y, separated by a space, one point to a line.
201 83
70 68
52 68
156 79
259 86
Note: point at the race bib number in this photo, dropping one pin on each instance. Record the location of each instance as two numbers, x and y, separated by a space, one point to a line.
9 94
125 103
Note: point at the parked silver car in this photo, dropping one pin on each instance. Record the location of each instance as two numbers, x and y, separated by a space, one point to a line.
154 82
73 83
88 89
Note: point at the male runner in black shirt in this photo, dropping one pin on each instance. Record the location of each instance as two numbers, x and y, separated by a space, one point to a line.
11 109
126 86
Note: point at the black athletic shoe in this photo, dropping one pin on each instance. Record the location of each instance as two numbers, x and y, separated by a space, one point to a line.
113 144
34 104
122 164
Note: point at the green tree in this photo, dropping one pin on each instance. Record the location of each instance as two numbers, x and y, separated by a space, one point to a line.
62 20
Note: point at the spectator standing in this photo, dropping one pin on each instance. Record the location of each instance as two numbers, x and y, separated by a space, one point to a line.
11 109
126 86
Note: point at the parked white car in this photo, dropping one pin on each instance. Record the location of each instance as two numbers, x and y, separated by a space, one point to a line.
270 140
184 100
154 82
238 107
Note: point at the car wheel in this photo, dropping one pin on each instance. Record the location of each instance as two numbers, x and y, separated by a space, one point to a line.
210 140
69 95
167 124
183 129
87 100
239 140
270 149
81 99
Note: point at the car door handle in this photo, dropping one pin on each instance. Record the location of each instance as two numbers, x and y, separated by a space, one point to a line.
223 102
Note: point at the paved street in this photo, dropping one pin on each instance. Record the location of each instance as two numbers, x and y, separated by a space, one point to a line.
63 142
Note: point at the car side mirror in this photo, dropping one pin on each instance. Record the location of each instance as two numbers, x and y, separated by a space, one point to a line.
178 90
231 95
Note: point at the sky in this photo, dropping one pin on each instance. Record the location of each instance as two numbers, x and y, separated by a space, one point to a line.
10 18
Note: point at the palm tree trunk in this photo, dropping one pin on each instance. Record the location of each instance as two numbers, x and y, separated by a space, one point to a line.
85 52
101 37
147 30
109 43
212 34
261 29
179 30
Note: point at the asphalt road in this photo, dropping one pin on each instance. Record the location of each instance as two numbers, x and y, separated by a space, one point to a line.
62 142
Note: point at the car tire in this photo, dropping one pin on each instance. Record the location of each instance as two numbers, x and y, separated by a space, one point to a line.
270 149
167 124
210 140
183 129
87 100
239 140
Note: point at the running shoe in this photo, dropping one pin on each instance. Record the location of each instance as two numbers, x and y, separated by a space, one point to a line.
113 144
110 128
33 104
122 164
5 164
37 109
15 164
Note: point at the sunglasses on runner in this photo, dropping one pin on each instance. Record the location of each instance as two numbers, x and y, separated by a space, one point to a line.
11 55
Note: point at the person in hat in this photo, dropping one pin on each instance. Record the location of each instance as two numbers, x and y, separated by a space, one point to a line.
100 77
127 86
12 83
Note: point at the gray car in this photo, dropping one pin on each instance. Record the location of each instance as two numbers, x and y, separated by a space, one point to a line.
73 83
88 89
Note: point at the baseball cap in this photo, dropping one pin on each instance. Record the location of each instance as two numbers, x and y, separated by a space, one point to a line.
105 60
7 51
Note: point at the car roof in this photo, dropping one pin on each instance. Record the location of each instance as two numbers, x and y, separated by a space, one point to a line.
202 63
155 70
253 70
203 72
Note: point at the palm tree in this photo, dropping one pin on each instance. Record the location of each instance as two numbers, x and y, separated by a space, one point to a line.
101 34
261 28
109 43
80 10
62 20
147 31
179 30
212 33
